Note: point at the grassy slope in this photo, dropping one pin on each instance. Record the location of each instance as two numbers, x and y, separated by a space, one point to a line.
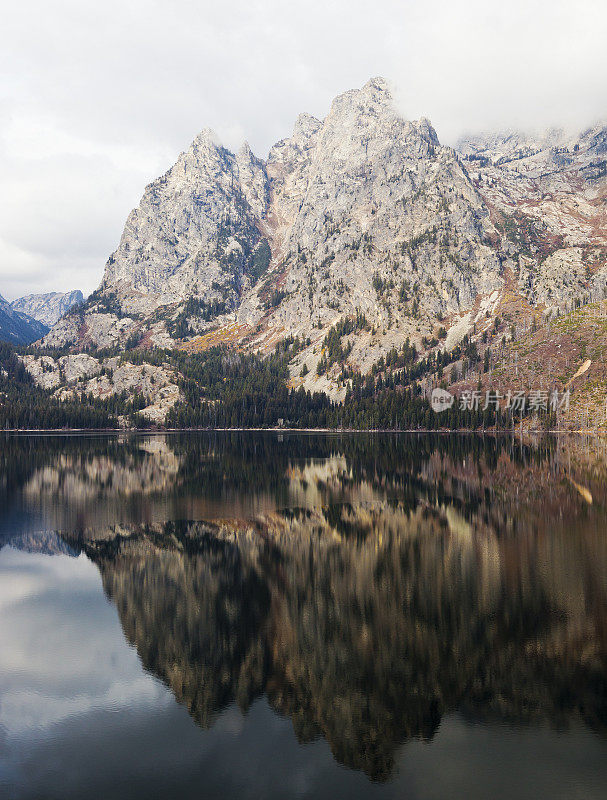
548 357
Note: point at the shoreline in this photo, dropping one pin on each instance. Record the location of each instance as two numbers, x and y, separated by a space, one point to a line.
424 431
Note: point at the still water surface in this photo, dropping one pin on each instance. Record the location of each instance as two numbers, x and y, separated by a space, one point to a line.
255 615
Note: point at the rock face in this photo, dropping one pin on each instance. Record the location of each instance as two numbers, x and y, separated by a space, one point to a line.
361 216
79 374
48 308
547 196
372 213
18 328
364 210
195 232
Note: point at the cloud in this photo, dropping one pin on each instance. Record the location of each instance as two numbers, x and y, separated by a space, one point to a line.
99 99
43 685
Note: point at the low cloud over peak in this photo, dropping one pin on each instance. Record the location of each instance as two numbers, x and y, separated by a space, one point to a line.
98 100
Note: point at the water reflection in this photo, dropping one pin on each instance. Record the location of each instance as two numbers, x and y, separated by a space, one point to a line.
365 586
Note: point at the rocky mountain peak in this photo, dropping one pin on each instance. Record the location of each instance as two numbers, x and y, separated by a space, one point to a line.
425 128
305 126
375 93
252 180
373 100
335 207
205 140
244 152
195 228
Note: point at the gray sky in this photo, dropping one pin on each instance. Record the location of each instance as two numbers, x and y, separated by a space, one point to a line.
97 99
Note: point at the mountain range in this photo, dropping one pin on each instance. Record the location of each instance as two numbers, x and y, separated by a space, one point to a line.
27 319
17 327
357 234
48 308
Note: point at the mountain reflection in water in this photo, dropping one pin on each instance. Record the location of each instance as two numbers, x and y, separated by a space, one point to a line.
367 586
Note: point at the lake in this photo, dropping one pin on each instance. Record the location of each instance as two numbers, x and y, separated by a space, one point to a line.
266 615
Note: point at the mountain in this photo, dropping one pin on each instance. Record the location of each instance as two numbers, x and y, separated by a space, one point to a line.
195 230
359 237
48 308
364 211
18 328
547 195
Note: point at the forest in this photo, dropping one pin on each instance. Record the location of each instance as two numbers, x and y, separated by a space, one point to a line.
25 406
225 388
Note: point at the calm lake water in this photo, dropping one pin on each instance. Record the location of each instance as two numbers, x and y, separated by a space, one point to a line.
302 615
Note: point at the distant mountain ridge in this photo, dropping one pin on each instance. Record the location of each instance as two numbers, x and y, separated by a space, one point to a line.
49 307
18 328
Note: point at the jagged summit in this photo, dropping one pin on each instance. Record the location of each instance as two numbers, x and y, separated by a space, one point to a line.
319 225
426 129
360 215
374 94
306 125
207 138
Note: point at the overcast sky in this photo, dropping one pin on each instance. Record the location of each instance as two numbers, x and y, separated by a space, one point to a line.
97 99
